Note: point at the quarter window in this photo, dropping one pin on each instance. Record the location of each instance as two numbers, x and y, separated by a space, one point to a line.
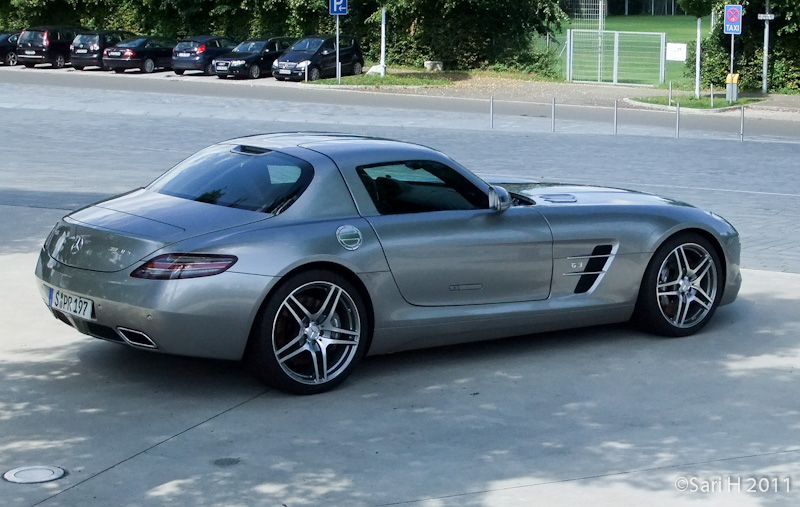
419 186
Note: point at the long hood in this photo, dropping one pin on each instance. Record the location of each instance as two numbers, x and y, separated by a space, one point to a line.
115 234
296 56
246 56
555 194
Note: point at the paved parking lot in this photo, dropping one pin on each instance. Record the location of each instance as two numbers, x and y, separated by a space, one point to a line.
606 414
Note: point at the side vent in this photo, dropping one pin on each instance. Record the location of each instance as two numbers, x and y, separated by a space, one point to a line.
595 267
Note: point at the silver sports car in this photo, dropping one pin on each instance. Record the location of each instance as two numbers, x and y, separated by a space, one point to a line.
302 252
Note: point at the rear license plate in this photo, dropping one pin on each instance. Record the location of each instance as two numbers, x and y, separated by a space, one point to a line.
284 71
183 55
114 53
70 303
29 52
81 51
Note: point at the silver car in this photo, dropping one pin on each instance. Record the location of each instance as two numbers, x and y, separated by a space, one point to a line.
303 252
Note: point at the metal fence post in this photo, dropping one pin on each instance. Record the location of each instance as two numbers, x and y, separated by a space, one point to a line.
712 96
553 117
616 57
670 93
616 103
741 127
491 112
678 120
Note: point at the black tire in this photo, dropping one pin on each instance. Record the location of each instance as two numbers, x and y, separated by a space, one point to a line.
317 321
118 71
313 74
209 70
178 71
254 72
148 66
30 65
280 78
680 290
357 68
77 67
59 62
11 59
222 76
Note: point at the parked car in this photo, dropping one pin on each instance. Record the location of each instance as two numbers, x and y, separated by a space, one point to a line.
252 58
302 252
144 53
87 48
317 54
198 53
46 44
8 48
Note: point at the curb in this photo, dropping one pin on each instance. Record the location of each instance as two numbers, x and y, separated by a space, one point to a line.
686 110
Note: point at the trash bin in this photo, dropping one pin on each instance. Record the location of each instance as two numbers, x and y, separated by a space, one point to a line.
732 88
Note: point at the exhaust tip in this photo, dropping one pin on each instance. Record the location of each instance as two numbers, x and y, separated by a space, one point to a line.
136 338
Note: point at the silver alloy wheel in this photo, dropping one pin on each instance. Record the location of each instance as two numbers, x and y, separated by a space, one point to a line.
254 71
357 68
60 62
316 332
11 59
313 74
687 285
149 66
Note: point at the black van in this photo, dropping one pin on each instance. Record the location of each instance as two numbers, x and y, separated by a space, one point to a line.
316 55
46 44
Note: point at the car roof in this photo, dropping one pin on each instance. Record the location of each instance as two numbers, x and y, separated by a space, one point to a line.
200 38
101 32
328 143
44 28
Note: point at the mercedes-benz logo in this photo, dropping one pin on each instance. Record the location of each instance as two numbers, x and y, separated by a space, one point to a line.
76 245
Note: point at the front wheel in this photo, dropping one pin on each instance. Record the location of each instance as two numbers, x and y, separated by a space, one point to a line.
313 74
254 72
178 71
682 286
209 70
311 333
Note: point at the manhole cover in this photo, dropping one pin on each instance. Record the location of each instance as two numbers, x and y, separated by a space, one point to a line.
33 475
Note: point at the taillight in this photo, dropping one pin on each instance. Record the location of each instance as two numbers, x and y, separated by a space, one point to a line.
46 40
183 265
129 53
105 52
201 49
72 47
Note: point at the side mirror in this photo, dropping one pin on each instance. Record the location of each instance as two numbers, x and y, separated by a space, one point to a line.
325 52
499 198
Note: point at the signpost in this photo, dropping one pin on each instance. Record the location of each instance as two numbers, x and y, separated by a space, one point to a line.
338 8
766 18
733 27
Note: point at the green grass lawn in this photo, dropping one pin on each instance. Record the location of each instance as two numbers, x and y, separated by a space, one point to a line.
704 102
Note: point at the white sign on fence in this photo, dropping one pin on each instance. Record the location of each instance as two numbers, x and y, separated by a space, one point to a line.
676 52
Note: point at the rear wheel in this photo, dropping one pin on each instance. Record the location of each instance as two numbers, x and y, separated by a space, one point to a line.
178 72
77 67
254 72
682 286
209 70
118 71
148 66
311 334
357 68
11 59
59 62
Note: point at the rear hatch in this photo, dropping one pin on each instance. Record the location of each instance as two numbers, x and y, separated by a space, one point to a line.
115 234
86 45
188 49
33 42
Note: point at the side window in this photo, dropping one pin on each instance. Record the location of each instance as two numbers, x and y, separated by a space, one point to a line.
151 44
213 43
345 42
284 45
226 43
419 186
329 45
13 39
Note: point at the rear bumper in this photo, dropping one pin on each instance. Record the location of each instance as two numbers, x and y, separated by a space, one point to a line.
188 64
202 317
87 60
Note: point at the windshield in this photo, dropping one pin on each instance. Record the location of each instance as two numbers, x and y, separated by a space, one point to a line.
131 43
307 45
31 37
250 47
238 177
86 39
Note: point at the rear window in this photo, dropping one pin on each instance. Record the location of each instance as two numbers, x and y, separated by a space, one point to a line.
187 44
238 177
131 43
31 37
86 39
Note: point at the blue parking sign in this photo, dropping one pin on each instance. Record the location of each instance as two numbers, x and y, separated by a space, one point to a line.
337 7
732 21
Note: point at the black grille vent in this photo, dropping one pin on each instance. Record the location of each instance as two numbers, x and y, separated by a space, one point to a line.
594 267
104 332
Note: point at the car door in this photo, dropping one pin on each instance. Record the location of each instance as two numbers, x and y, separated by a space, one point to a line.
268 55
446 247
327 58
164 52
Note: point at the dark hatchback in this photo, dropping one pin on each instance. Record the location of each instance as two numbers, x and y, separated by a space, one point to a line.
317 55
8 48
198 53
143 53
252 58
87 48
46 44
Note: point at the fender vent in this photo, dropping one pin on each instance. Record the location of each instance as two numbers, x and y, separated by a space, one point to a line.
598 262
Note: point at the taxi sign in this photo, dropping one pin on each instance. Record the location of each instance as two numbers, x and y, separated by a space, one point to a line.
733 20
